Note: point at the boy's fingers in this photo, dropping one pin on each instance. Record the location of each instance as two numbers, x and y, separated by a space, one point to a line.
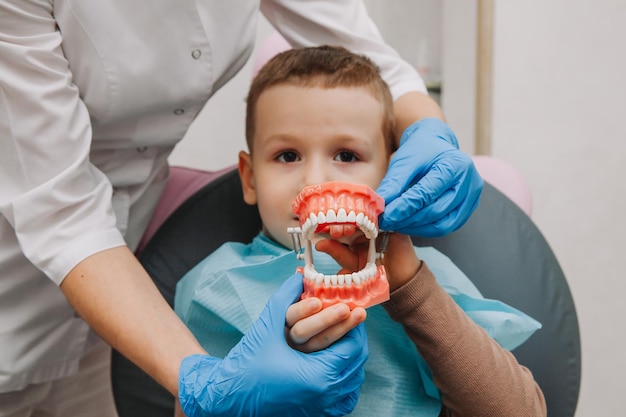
345 257
312 341
313 325
301 310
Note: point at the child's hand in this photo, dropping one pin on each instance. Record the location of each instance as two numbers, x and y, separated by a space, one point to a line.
309 328
400 260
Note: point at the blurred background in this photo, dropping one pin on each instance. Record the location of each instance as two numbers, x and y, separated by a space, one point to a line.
541 85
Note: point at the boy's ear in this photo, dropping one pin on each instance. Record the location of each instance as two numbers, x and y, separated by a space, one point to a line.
247 179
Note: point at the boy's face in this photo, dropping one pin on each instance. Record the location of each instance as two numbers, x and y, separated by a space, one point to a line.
305 136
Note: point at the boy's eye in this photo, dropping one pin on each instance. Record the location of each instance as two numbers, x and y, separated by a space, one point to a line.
288 156
346 156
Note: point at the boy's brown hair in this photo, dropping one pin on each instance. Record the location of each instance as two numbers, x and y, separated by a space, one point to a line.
325 67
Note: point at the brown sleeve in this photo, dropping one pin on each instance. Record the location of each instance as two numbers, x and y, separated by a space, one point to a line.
475 375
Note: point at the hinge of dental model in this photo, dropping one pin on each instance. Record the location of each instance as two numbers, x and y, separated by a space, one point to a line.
333 204
296 239
384 240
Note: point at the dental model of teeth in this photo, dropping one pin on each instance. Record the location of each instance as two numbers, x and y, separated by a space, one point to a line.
340 207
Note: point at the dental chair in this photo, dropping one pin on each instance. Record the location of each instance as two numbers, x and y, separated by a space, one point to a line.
499 248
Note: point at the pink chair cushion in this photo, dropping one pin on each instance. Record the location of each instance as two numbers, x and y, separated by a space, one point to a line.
506 179
182 184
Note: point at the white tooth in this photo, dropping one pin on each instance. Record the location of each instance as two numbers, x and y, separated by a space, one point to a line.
351 217
309 272
331 216
364 275
373 230
342 216
313 219
319 278
367 228
341 279
348 279
327 280
333 279
307 225
359 218
361 224
321 218
356 278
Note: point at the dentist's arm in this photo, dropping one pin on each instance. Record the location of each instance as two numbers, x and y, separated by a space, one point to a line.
117 298
414 106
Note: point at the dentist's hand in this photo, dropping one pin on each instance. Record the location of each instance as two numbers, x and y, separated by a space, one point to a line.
431 188
263 376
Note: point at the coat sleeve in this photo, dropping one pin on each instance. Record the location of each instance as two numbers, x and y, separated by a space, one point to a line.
476 377
345 23
58 204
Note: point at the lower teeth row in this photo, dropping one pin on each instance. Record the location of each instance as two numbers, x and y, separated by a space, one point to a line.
355 278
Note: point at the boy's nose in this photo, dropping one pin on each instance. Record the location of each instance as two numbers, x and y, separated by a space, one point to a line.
316 173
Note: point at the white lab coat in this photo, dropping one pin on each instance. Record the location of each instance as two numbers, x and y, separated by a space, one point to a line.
93 97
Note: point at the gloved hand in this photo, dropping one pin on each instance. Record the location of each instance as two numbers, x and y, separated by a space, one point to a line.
431 188
263 376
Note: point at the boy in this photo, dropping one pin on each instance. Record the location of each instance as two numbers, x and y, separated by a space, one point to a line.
324 114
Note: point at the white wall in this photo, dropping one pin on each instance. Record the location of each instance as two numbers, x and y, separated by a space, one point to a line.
559 104
458 60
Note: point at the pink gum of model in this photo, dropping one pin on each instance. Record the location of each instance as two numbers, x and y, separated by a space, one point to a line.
340 203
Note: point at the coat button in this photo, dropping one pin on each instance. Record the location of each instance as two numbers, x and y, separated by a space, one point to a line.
196 53
178 112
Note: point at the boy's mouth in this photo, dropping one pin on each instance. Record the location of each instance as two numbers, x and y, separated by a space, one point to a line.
338 210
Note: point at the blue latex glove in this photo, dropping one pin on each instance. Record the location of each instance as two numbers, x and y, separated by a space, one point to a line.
431 188
263 376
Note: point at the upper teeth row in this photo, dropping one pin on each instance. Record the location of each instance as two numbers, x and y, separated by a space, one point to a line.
341 216
355 278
